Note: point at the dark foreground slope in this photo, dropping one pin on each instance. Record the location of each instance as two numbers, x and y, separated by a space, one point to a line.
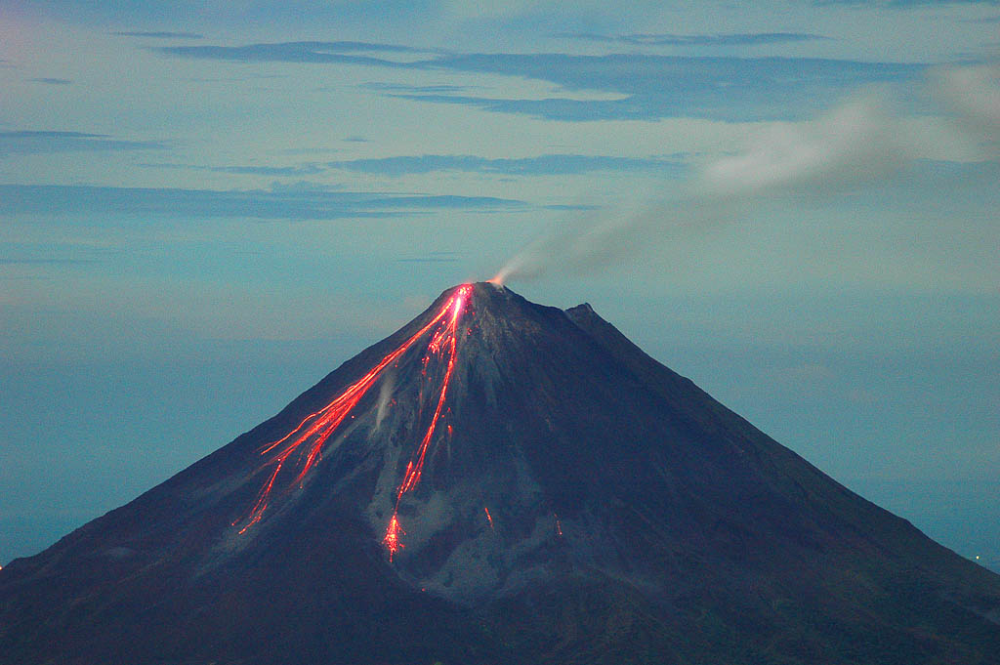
578 502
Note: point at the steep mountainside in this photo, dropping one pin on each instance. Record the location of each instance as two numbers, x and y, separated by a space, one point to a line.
499 482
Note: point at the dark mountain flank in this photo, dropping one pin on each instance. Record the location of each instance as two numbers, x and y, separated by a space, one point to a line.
499 482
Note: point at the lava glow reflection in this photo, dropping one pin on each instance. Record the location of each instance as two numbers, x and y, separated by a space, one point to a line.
303 446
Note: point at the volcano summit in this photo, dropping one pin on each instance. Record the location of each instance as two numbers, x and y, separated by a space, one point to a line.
499 482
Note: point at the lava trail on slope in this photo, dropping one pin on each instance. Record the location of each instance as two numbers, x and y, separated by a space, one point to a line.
303 445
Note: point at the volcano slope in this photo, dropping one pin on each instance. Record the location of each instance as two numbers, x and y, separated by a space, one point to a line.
499 482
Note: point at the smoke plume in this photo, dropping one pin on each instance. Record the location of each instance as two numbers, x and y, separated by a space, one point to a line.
864 141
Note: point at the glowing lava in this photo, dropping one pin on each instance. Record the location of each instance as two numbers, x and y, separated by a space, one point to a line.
303 446
391 540
445 341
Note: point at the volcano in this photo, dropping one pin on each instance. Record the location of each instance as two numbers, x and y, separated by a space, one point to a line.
499 482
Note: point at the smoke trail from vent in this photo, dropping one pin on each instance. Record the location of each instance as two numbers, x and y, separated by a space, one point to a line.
858 141
862 142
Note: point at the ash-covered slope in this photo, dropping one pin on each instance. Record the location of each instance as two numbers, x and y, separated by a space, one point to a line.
499 482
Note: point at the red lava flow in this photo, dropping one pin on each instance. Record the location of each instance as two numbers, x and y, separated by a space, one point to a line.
445 340
303 445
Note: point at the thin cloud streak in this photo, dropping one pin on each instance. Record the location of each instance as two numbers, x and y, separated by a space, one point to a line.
272 171
723 39
903 4
397 166
651 86
308 52
542 165
159 34
288 203
42 142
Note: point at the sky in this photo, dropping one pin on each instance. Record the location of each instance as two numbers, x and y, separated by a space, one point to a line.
205 207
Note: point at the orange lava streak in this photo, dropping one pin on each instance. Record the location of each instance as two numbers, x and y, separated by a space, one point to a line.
391 540
415 470
317 427
261 505
415 467
488 516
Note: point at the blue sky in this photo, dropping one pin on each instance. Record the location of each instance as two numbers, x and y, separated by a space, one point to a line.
207 206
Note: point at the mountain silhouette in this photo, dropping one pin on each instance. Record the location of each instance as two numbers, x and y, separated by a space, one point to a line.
499 482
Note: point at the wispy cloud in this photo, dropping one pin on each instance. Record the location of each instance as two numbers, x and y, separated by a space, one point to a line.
273 171
41 142
301 15
656 86
722 39
342 52
650 86
415 89
5 261
285 203
542 165
902 4
50 81
431 257
235 79
307 169
576 110
158 34
972 94
558 164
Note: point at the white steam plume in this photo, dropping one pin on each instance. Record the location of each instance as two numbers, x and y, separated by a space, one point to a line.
855 142
861 142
